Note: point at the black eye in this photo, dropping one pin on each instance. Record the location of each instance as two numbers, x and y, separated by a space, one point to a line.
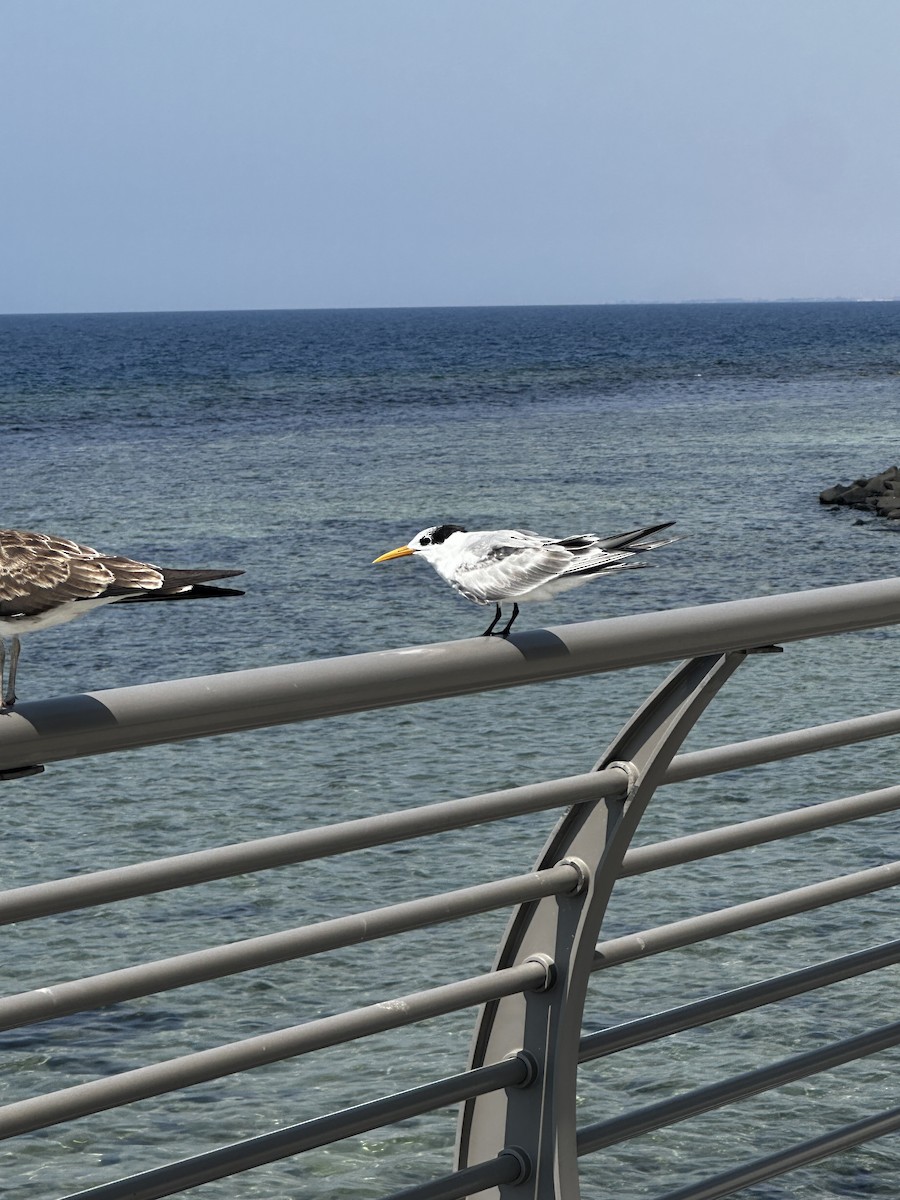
426 541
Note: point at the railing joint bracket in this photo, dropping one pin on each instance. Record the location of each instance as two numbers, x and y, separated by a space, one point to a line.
550 972
583 877
529 1062
524 1161
631 771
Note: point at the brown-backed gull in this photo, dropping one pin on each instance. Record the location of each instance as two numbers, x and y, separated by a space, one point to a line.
46 580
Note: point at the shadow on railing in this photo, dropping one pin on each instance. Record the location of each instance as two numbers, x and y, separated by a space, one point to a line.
518 1131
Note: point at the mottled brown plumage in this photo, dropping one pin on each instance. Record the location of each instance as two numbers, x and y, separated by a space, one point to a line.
47 580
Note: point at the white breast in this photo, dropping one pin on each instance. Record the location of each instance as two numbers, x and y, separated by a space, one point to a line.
10 626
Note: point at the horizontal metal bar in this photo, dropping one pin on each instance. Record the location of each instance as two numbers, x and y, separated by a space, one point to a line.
201 866
183 870
178 710
738 1087
739 836
307 1135
800 1155
24 1116
792 744
505 1168
112 987
743 916
727 1004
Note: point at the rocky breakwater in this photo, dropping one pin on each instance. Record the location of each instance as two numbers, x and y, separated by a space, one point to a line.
879 494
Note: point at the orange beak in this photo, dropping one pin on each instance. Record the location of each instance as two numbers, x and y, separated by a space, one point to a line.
400 552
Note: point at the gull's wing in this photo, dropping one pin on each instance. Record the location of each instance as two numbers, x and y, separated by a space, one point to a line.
39 572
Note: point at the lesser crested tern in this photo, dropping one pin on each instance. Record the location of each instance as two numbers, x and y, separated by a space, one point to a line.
496 566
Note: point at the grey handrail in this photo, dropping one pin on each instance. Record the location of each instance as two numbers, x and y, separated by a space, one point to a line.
148 714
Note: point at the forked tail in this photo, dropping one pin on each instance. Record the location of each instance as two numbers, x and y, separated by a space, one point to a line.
632 541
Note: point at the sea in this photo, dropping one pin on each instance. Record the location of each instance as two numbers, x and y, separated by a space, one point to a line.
299 446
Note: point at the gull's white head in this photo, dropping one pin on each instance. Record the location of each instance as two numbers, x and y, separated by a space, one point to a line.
429 543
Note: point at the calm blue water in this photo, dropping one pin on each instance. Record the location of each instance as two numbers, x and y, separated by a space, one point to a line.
299 445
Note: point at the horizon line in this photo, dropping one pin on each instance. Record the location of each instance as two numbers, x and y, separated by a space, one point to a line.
86 312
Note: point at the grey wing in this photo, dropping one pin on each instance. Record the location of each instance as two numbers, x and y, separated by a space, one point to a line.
502 568
38 572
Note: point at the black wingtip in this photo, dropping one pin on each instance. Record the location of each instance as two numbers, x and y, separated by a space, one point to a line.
179 577
622 541
202 591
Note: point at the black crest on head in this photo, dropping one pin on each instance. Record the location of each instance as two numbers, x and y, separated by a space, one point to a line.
442 532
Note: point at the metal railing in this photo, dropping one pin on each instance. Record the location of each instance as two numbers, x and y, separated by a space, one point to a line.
520 1132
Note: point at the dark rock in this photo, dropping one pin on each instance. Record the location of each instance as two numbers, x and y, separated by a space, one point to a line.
833 495
878 494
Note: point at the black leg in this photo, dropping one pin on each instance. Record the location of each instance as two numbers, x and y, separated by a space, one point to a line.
490 628
14 648
505 632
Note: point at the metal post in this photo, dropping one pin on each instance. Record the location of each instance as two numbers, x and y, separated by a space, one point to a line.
538 1119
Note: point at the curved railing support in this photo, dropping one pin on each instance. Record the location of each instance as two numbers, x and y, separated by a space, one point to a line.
537 1119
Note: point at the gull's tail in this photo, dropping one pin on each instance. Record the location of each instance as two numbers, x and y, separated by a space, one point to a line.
187 585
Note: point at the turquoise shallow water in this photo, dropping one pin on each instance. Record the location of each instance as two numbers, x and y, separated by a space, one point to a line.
301 445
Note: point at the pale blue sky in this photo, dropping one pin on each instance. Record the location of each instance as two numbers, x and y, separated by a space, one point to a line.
191 154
